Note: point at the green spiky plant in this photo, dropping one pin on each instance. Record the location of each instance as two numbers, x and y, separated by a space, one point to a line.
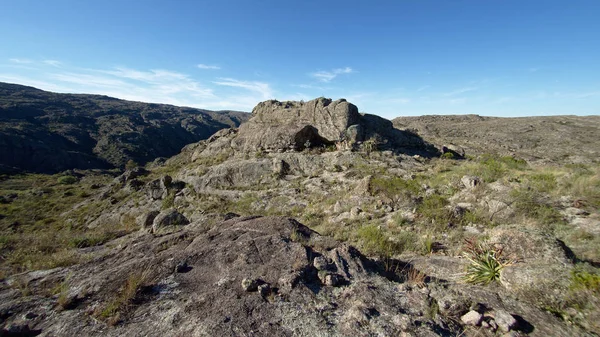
486 262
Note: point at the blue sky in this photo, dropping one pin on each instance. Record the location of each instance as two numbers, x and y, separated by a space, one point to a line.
392 58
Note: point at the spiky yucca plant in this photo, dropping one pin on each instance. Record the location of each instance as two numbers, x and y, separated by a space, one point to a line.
486 264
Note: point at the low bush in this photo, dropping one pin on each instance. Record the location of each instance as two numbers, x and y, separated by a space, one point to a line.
394 187
66 180
584 279
531 204
433 207
375 242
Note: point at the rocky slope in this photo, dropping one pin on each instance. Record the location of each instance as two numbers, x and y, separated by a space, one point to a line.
48 132
339 225
558 139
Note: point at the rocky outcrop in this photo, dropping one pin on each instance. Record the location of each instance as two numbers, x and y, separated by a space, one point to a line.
263 276
296 125
192 287
281 126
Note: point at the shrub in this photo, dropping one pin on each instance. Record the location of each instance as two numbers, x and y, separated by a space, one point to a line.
491 168
375 242
434 207
542 182
583 279
66 180
168 201
131 165
531 204
394 187
447 155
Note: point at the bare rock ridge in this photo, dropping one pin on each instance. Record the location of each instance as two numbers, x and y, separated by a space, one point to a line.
247 276
297 125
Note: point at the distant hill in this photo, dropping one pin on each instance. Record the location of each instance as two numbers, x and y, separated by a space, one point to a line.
48 132
558 139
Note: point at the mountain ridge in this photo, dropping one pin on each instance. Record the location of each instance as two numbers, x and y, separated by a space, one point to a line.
48 132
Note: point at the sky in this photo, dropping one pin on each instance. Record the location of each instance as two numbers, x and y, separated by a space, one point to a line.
391 58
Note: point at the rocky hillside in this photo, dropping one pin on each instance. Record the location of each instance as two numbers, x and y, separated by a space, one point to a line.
550 139
48 132
333 223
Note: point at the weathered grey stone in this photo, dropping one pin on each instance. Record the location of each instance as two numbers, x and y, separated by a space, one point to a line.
155 190
249 284
145 220
165 182
472 318
264 289
321 263
168 221
452 304
364 186
332 280
355 211
505 321
355 133
338 208
470 182
135 172
280 168
277 126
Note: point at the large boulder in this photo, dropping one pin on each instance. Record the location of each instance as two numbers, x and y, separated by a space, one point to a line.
168 221
282 125
288 125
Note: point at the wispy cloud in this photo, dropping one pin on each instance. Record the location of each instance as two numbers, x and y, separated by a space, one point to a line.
20 61
327 76
208 67
503 100
259 87
311 87
579 95
396 100
460 91
53 63
457 101
588 94
423 88
154 85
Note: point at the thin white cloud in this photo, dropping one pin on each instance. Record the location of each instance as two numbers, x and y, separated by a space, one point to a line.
400 100
328 76
423 88
311 87
457 101
53 63
583 94
588 94
208 67
503 100
259 87
21 61
151 76
460 91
